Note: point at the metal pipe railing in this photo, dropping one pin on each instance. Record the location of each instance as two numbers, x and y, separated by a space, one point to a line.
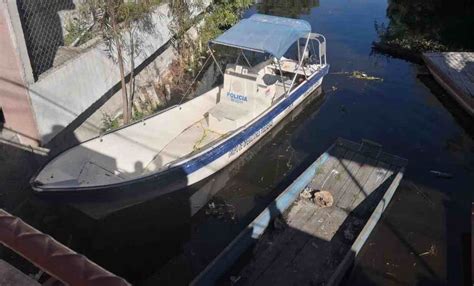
51 256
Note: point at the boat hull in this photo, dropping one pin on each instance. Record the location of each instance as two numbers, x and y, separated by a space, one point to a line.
202 165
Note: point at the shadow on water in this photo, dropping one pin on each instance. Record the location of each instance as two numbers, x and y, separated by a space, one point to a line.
131 243
461 116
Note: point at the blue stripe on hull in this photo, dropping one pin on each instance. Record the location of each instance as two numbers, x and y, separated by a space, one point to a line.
208 157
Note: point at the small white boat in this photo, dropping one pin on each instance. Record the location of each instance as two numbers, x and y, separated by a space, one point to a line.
189 142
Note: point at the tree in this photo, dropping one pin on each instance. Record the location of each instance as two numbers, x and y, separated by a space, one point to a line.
118 21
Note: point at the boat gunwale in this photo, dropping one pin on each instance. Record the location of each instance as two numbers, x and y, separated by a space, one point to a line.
39 188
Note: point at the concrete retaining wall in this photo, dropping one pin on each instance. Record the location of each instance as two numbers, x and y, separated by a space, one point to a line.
64 92
67 91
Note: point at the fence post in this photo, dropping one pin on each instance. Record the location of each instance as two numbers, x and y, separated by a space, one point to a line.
19 39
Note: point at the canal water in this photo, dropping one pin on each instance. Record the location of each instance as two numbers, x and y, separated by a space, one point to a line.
424 235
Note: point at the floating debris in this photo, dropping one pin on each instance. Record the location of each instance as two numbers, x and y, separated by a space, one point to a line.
349 234
323 199
234 279
307 193
364 76
442 174
360 75
221 210
432 251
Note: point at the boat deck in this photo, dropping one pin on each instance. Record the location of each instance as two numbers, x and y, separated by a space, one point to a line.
310 244
191 139
455 72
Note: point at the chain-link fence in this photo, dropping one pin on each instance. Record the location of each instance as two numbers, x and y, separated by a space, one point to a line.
43 30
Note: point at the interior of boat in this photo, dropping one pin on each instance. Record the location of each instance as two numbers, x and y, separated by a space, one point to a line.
159 141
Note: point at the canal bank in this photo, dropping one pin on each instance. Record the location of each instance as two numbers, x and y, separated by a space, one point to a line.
420 238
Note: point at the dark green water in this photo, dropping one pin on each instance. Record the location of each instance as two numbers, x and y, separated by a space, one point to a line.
169 240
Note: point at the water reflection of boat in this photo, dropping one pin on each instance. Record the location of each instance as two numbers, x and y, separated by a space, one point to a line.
189 142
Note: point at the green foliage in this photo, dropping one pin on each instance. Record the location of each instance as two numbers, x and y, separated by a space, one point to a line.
77 29
411 41
128 12
109 123
419 26
137 115
224 14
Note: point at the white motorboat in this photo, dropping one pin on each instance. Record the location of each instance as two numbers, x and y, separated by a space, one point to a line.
188 142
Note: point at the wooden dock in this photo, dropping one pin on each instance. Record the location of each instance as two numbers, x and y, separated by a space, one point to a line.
308 244
455 72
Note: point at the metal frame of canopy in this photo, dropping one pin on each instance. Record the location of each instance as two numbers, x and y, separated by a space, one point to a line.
279 22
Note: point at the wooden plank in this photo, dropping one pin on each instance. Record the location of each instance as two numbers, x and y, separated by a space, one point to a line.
366 231
267 256
323 175
321 255
256 228
313 243
298 245
356 187
283 241
334 184
352 186
344 177
297 217
455 72
280 265
381 173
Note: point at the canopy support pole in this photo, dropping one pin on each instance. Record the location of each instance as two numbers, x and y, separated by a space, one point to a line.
214 58
299 64
281 76
245 58
299 52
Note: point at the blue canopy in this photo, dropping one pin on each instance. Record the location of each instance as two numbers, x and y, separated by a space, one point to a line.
264 33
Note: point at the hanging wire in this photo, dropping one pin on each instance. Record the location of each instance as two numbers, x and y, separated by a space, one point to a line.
194 80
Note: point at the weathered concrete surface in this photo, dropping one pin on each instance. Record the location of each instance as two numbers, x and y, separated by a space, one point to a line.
145 83
14 98
67 91
10 276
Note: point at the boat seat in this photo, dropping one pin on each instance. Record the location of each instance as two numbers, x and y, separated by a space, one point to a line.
237 100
